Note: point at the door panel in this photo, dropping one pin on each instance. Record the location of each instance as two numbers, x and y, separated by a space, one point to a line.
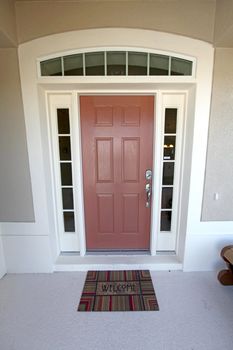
130 212
105 215
117 140
130 159
104 159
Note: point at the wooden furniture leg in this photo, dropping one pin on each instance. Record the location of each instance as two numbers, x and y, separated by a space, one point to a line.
225 277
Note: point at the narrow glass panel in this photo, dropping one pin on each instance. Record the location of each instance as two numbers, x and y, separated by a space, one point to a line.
69 225
63 121
165 223
181 67
170 120
168 173
167 193
116 63
67 198
137 63
159 64
169 147
64 148
66 174
73 65
94 62
51 67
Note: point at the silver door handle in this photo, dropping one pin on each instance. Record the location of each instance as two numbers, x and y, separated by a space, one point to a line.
148 195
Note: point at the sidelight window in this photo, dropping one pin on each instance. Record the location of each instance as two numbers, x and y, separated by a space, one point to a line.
169 162
65 160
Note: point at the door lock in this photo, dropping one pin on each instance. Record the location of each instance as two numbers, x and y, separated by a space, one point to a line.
148 195
148 174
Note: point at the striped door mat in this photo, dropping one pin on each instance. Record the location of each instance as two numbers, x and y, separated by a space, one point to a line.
129 290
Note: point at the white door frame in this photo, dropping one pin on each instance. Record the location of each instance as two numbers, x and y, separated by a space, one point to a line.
40 236
70 99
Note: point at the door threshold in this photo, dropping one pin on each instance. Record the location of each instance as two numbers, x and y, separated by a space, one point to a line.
117 252
75 262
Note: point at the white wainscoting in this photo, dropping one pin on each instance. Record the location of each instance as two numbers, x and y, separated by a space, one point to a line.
2 259
25 254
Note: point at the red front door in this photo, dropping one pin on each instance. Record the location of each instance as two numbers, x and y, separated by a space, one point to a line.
117 142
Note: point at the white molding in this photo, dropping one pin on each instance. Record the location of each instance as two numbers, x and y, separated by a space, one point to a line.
117 37
117 79
155 178
3 268
79 175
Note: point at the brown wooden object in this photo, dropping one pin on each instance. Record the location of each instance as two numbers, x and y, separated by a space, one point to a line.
225 277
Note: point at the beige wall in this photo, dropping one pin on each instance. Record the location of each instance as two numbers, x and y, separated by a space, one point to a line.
223 34
186 17
15 185
8 37
219 168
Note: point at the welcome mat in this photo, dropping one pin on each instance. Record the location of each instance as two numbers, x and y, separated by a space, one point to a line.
129 290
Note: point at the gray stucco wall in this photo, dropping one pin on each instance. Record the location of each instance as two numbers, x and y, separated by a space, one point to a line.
219 167
15 185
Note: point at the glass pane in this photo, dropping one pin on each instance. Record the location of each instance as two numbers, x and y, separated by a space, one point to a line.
73 65
66 174
67 198
94 63
137 63
116 63
170 120
159 65
168 173
63 121
165 224
181 67
64 148
167 193
169 147
69 225
51 67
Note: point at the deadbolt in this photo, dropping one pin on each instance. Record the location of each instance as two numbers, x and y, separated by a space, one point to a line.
148 174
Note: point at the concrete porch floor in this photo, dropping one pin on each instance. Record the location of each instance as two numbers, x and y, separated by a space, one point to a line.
38 312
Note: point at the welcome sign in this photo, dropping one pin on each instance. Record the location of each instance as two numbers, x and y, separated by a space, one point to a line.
117 288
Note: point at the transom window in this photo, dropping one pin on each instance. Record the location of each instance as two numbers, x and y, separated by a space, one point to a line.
123 63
